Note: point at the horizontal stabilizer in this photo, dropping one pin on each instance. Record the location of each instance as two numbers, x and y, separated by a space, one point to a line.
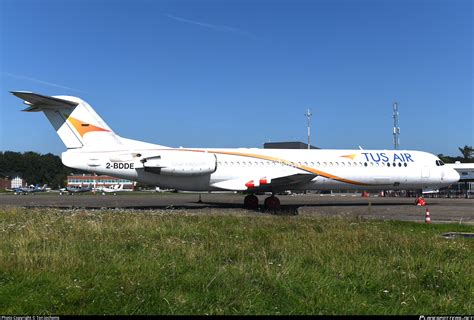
34 100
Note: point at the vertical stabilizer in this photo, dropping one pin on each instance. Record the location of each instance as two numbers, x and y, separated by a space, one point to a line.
76 123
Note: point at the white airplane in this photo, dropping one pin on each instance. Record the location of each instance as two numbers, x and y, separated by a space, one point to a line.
75 189
93 146
114 189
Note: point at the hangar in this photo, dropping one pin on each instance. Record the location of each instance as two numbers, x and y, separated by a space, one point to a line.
98 181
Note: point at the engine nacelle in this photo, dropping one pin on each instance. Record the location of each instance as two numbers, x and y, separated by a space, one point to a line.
180 163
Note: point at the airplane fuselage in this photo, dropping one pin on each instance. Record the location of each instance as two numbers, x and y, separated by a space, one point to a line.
223 169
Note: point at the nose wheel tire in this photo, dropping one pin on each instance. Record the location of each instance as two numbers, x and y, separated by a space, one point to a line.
272 203
251 202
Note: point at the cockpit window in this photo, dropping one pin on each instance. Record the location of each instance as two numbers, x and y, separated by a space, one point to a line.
439 163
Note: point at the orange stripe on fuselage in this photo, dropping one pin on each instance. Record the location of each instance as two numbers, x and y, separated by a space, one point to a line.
286 162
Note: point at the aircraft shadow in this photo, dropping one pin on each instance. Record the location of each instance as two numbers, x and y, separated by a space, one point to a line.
285 209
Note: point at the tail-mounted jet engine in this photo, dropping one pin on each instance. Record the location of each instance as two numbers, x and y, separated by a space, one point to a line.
179 163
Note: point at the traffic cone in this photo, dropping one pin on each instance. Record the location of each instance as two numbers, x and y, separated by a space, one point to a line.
427 216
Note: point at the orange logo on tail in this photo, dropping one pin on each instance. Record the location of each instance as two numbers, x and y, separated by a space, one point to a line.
83 127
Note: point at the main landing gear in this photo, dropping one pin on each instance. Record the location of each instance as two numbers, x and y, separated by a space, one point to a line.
251 202
271 203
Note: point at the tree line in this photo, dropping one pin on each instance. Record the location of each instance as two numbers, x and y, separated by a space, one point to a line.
34 168
467 155
41 169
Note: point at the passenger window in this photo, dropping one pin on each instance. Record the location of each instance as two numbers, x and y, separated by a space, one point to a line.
399 164
405 164
388 164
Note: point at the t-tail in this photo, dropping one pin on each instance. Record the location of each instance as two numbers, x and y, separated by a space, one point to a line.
76 123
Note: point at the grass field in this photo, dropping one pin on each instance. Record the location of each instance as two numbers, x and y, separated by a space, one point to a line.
170 262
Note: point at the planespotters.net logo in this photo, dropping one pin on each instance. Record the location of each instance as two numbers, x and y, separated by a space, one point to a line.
30 318
446 318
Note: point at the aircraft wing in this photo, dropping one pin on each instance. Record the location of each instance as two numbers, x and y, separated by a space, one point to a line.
35 100
275 183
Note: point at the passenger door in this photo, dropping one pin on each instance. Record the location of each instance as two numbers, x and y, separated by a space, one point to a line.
425 172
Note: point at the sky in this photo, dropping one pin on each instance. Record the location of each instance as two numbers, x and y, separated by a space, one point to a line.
202 73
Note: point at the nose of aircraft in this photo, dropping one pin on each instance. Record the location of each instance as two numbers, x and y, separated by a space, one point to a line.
452 176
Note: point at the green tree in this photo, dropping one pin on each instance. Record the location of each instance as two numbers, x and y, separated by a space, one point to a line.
35 168
466 152
446 159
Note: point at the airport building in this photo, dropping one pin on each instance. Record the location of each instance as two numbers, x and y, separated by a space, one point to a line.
17 182
85 180
287 145
12 181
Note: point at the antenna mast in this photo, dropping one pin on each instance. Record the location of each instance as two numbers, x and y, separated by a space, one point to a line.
396 128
